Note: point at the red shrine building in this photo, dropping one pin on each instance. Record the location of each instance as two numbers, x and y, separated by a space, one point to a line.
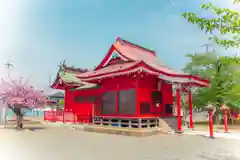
130 84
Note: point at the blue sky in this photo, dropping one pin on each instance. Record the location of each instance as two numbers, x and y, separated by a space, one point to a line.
38 34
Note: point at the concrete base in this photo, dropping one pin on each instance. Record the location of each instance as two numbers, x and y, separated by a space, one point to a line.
122 131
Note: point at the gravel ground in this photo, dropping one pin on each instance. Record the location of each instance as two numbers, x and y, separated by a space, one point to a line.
59 143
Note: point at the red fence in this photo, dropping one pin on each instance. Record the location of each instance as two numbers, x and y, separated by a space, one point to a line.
66 117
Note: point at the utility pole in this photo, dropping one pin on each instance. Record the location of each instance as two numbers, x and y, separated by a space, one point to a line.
50 81
206 45
8 66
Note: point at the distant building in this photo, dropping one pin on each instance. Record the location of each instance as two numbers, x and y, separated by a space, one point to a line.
57 96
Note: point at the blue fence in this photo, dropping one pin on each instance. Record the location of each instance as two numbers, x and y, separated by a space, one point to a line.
27 112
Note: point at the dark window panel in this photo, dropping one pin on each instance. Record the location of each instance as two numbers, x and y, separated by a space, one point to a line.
80 99
169 109
156 97
127 102
92 99
145 108
109 103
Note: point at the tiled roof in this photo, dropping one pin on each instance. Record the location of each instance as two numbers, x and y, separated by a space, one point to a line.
87 86
108 69
136 53
74 70
68 77
133 56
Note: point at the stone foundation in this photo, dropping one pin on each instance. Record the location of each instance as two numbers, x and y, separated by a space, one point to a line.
122 131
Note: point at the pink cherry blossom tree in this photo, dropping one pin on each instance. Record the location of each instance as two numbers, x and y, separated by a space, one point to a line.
17 94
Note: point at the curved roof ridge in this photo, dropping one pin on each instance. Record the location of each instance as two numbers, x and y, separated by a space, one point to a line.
122 41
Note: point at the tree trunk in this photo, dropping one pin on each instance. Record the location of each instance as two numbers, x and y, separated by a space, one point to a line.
218 118
19 121
19 116
185 116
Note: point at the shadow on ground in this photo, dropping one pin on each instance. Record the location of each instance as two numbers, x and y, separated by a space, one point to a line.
28 128
34 128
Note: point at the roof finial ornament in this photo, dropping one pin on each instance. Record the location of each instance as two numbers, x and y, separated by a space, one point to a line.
62 66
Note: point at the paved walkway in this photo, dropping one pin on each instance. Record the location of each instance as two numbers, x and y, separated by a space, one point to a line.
230 135
62 143
235 134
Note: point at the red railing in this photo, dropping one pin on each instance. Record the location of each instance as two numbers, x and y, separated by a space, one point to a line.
66 117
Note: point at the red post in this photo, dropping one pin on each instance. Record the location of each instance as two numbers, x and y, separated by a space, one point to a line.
44 115
225 121
63 112
178 96
191 125
210 124
74 118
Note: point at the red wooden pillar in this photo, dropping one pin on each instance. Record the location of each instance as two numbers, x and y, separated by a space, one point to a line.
225 120
63 116
211 124
138 94
117 102
179 118
44 115
225 117
191 125
74 118
65 100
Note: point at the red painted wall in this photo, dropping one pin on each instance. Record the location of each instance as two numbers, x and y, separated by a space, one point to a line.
146 85
111 84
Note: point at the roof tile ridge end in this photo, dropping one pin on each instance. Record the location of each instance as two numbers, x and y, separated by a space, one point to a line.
136 45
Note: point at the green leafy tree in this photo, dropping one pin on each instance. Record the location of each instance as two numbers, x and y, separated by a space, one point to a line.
61 103
224 77
224 20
